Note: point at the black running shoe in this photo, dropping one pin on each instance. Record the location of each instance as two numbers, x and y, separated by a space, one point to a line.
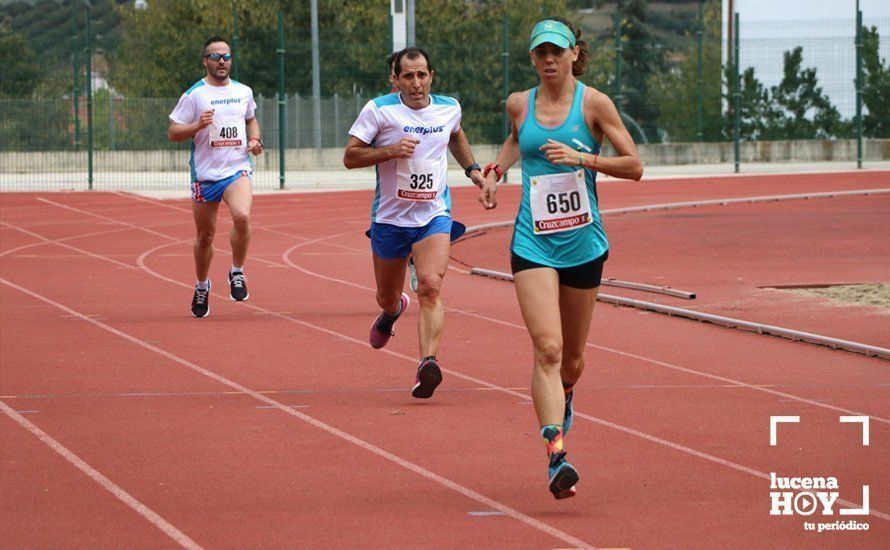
429 376
238 286
563 476
201 302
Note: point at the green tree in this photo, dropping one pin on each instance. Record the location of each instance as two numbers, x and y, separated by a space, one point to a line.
159 54
804 111
756 109
21 73
677 89
470 63
876 87
640 58
795 109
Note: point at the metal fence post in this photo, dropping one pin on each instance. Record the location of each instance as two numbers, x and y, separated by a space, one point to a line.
282 120
316 77
235 41
409 20
738 93
506 89
618 50
699 133
858 87
336 120
89 56
111 120
75 77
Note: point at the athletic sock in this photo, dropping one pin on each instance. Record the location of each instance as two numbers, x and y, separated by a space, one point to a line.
203 285
236 270
552 434
395 315
432 357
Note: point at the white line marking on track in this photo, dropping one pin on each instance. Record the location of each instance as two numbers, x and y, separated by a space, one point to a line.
432 476
288 262
654 439
756 387
96 476
175 240
58 242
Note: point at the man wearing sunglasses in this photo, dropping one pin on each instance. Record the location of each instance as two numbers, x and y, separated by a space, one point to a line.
218 115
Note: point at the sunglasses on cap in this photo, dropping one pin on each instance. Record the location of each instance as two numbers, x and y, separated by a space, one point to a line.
219 56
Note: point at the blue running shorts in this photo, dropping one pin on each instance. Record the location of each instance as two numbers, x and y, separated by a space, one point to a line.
212 191
391 241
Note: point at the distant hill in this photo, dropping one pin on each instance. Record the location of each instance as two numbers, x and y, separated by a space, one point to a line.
668 20
49 25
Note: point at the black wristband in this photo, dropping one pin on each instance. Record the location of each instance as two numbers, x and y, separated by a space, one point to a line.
470 168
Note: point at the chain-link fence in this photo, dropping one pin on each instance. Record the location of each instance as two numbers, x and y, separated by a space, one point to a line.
86 96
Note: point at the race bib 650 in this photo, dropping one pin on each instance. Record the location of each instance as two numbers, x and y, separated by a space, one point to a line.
559 202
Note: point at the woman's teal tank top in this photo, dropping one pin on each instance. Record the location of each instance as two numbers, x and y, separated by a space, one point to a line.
567 248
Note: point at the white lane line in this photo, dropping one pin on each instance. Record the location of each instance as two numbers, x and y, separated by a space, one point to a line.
287 261
63 245
631 431
45 240
110 486
432 476
654 439
139 227
816 403
264 209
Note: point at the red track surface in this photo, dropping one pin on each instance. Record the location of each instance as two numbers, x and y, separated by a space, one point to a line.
273 422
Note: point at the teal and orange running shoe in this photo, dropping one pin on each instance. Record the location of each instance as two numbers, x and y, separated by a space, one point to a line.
563 476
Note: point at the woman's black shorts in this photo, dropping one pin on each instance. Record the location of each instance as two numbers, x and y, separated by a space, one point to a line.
585 276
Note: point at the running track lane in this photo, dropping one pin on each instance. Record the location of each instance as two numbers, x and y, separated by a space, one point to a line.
449 447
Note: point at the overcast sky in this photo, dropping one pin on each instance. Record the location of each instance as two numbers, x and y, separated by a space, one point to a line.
824 28
772 10
835 16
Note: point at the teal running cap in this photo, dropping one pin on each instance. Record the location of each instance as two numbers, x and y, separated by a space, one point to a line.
554 32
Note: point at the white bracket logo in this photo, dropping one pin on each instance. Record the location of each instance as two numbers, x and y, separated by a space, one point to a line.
803 495
774 421
861 420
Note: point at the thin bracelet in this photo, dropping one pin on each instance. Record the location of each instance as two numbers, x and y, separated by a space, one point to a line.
595 158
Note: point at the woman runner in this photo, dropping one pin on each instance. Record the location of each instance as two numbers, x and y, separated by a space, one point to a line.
559 245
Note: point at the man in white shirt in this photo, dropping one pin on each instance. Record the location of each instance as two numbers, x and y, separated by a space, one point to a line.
405 135
218 115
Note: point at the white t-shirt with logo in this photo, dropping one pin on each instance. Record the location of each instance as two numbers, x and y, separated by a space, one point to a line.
219 150
410 192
